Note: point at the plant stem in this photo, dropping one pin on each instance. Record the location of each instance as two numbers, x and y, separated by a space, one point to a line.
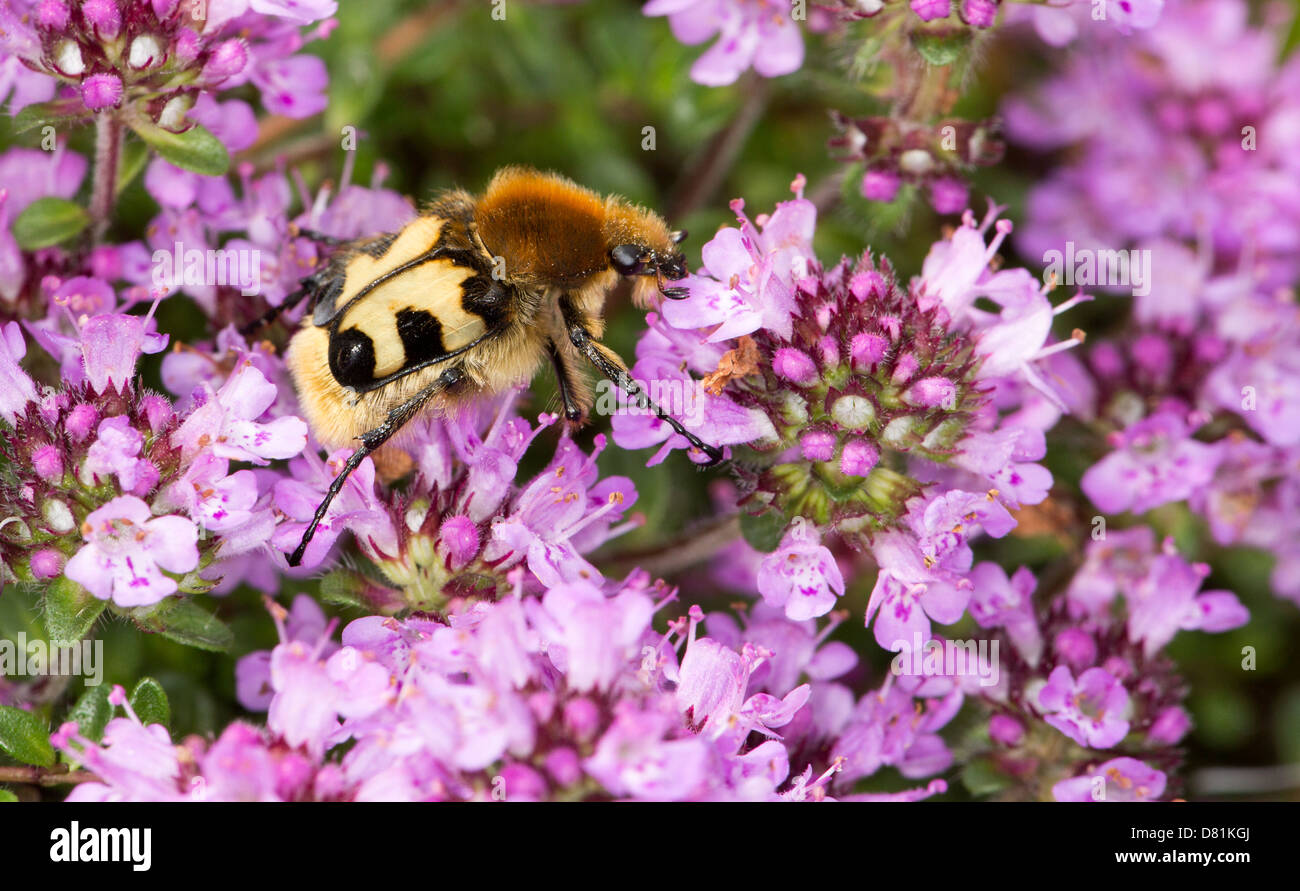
715 160
59 775
696 546
108 150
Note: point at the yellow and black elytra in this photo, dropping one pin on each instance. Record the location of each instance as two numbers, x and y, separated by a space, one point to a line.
473 297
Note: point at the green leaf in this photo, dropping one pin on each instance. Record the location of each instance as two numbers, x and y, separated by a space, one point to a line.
129 165
6 795
56 113
981 778
196 149
92 712
763 532
184 621
25 737
70 610
342 587
941 47
150 702
48 221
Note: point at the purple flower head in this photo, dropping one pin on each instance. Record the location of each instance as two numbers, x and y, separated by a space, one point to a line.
133 761
116 450
1165 601
749 274
304 622
896 727
561 513
311 692
227 422
1156 461
111 345
594 636
997 601
16 388
127 551
1119 779
762 35
801 576
716 419
214 498
1091 710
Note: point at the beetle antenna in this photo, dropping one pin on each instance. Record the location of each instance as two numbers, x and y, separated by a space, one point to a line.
266 318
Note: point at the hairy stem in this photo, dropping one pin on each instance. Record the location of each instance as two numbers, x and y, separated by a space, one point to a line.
108 151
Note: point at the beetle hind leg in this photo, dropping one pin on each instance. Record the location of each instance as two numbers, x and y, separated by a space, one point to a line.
372 440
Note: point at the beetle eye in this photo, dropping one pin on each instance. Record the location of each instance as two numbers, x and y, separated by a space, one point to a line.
627 259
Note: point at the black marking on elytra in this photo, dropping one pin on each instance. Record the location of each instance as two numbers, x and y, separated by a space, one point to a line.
421 335
352 357
487 298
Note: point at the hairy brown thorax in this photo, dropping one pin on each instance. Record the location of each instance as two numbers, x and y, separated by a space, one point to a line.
554 231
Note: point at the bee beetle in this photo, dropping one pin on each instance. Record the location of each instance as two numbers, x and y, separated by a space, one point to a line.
472 297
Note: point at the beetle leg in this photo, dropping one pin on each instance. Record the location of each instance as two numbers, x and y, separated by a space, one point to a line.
373 439
599 355
573 412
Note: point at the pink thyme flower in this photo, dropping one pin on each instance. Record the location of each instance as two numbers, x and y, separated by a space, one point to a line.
1090 710
127 551
759 34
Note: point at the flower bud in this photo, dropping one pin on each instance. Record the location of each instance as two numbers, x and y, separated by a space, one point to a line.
564 766
58 516
46 563
458 541
103 16
101 91
817 445
880 185
1075 648
858 458
795 366
52 14
1006 730
81 421
48 463
979 13
866 350
948 195
853 412
187 45
932 392
227 60
582 717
